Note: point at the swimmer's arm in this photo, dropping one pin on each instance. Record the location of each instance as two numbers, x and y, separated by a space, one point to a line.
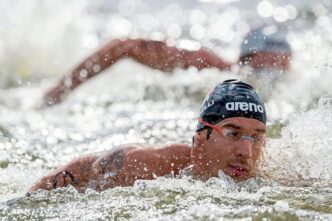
97 171
158 55
155 54
76 173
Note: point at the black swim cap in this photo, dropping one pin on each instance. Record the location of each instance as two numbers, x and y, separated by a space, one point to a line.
265 39
231 98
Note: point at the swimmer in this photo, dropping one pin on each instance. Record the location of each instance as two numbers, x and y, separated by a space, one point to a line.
266 56
230 137
261 48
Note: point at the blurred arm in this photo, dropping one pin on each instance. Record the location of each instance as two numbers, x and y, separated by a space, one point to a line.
155 54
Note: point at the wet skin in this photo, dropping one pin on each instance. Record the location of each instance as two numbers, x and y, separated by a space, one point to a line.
124 165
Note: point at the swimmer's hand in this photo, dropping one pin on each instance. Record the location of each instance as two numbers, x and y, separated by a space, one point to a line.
54 96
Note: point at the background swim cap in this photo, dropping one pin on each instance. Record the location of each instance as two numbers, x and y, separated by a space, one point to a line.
266 39
231 98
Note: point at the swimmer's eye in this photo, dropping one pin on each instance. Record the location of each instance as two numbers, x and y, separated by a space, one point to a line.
234 135
231 134
258 139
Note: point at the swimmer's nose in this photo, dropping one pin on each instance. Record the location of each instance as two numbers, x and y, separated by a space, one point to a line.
244 147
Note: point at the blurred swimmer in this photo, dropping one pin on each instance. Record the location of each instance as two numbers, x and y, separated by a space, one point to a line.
264 50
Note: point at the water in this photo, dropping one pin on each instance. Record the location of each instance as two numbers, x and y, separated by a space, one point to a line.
134 104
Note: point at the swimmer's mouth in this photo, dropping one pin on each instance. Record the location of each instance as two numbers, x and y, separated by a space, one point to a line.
238 170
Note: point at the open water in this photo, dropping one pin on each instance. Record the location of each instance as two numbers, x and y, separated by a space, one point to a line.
129 103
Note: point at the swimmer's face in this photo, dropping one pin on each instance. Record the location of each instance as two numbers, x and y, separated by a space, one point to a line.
267 60
235 147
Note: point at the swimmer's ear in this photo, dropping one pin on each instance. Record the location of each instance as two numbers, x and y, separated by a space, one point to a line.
199 138
197 154
199 143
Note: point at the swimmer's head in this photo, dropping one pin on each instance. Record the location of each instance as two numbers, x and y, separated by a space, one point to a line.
231 132
266 47
229 99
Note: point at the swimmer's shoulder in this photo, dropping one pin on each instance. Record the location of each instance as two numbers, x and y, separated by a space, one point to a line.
145 152
134 147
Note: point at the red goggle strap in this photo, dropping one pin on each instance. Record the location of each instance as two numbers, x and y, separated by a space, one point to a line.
209 125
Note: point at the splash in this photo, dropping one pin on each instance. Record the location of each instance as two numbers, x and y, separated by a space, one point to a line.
302 155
